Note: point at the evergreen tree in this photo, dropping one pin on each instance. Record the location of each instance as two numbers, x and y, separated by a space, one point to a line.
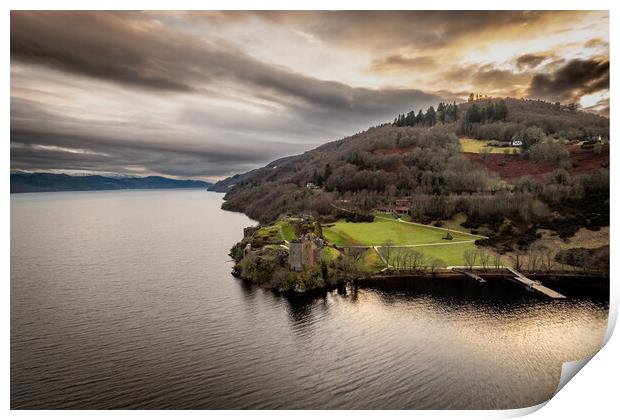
491 112
327 172
410 119
431 116
420 118
441 112
501 111
473 114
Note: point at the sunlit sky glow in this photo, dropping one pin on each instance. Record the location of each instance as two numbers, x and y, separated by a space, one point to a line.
209 94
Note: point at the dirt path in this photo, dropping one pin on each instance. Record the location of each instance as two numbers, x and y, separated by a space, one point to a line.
410 246
387 265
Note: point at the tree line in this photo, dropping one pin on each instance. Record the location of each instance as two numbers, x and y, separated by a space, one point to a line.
491 112
445 113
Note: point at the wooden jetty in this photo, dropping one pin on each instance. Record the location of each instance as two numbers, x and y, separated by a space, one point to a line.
470 275
534 285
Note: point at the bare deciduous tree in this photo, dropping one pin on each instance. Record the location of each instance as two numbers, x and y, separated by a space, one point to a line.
517 264
546 260
484 258
470 256
386 249
417 259
497 260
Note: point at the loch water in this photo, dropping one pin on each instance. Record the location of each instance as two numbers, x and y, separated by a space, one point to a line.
124 299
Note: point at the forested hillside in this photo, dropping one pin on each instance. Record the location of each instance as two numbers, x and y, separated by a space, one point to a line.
422 160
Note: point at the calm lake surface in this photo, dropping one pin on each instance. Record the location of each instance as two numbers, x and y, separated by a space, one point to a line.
124 299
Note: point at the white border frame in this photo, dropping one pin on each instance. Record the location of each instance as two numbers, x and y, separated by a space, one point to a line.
591 395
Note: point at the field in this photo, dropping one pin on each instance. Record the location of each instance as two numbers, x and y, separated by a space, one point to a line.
286 231
384 228
450 254
427 239
280 231
474 146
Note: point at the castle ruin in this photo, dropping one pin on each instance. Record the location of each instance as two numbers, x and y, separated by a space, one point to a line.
301 255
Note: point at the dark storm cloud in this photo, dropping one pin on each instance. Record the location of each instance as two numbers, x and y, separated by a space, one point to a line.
31 150
399 63
120 48
41 140
229 144
101 45
310 123
132 49
530 60
390 29
491 77
488 78
205 94
572 80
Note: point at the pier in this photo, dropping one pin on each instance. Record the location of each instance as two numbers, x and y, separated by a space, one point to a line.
470 275
515 276
534 285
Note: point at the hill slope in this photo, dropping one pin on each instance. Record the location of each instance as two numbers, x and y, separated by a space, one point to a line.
557 182
225 184
387 162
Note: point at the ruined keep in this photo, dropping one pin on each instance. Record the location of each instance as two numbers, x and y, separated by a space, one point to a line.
301 255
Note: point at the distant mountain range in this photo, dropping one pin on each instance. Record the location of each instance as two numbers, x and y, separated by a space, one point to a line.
22 182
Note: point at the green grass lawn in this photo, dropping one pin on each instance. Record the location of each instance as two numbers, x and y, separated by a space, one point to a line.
473 146
287 231
449 254
280 230
379 231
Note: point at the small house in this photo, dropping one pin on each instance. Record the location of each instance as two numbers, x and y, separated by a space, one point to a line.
400 210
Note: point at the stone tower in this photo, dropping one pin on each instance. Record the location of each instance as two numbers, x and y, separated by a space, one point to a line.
300 255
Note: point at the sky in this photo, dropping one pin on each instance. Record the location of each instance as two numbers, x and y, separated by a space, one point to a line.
205 95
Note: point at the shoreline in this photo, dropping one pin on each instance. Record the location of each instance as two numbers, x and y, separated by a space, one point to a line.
265 257
576 285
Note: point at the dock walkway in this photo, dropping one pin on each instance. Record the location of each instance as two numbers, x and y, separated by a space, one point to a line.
469 274
535 285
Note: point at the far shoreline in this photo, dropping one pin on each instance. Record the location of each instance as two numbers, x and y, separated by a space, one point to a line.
110 190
